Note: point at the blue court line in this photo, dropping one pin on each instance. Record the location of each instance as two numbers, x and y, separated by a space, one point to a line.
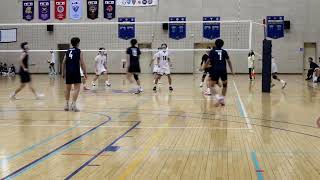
102 151
240 108
256 165
53 152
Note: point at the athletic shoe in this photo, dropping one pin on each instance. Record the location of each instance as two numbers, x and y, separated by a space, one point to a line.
140 89
66 107
39 96
207 93
284 85
155 88
108 84
85 88
12 96
74 108
93 84
170 88
201 84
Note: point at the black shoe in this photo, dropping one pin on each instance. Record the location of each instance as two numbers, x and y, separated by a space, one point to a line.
154 88
170 88
308 78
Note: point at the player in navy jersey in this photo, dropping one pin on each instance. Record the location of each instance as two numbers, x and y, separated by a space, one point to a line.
218 60
133 64
72 62
24 73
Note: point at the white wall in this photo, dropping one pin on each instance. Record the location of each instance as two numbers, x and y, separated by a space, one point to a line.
303 15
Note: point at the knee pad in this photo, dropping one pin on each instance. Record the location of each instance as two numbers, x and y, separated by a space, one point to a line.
136 77
225 85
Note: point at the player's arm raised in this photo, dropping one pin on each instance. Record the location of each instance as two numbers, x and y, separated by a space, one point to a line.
83 65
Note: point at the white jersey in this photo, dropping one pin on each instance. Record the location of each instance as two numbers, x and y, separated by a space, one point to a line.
53 58
155 58
164 58
100 61
251 61
274 67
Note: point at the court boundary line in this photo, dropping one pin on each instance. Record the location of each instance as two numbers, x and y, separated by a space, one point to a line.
101 151
243 111
258 170
53 152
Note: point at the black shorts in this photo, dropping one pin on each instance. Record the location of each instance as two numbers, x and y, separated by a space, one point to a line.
51 64
24 77
274 75
73 79
206 71
216 75
134 68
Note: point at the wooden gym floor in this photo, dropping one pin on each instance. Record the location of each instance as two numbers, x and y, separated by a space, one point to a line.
178 135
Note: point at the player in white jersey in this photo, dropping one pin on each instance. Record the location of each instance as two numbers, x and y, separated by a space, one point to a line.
101 67
274 70
154 61
164 65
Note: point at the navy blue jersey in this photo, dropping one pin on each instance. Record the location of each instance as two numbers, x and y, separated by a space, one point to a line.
134 53
73 61
218 59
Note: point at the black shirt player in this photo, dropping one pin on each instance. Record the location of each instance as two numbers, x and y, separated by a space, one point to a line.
218 60
133 64
72 62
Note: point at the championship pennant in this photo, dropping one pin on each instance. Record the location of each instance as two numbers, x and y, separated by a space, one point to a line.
75 9
275 27
44 10
126 31
60 9
28 10
211 29
177 30
92 9
109 9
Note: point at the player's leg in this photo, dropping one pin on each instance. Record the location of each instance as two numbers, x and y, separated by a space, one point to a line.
84 83
170 82
106 77
203 78
34 91
96 77
136 77
13 95
129 77
76 91
250 73
157 80
67 96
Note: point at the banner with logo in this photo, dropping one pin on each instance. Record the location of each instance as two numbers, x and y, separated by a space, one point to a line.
44 10
126 31
60 10
275 27
140 3
211 30
177 29
28 10
75 9
109 9
92 9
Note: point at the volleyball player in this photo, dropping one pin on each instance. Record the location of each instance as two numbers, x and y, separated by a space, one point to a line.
155 69
52 62
218 59
24 73
72 62
101 67
164 65
205 70
274 69
133 64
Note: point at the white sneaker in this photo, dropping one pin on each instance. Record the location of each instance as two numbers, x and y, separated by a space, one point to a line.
74 108
207 93
140 89
93 84
201 84
66 107
108 84
12 96
39 96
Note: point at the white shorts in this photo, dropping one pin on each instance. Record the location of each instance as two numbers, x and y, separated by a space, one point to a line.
155 68
100 71
164 71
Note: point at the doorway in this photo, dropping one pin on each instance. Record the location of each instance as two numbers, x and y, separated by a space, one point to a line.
310 50
198 55
145 58
61 55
